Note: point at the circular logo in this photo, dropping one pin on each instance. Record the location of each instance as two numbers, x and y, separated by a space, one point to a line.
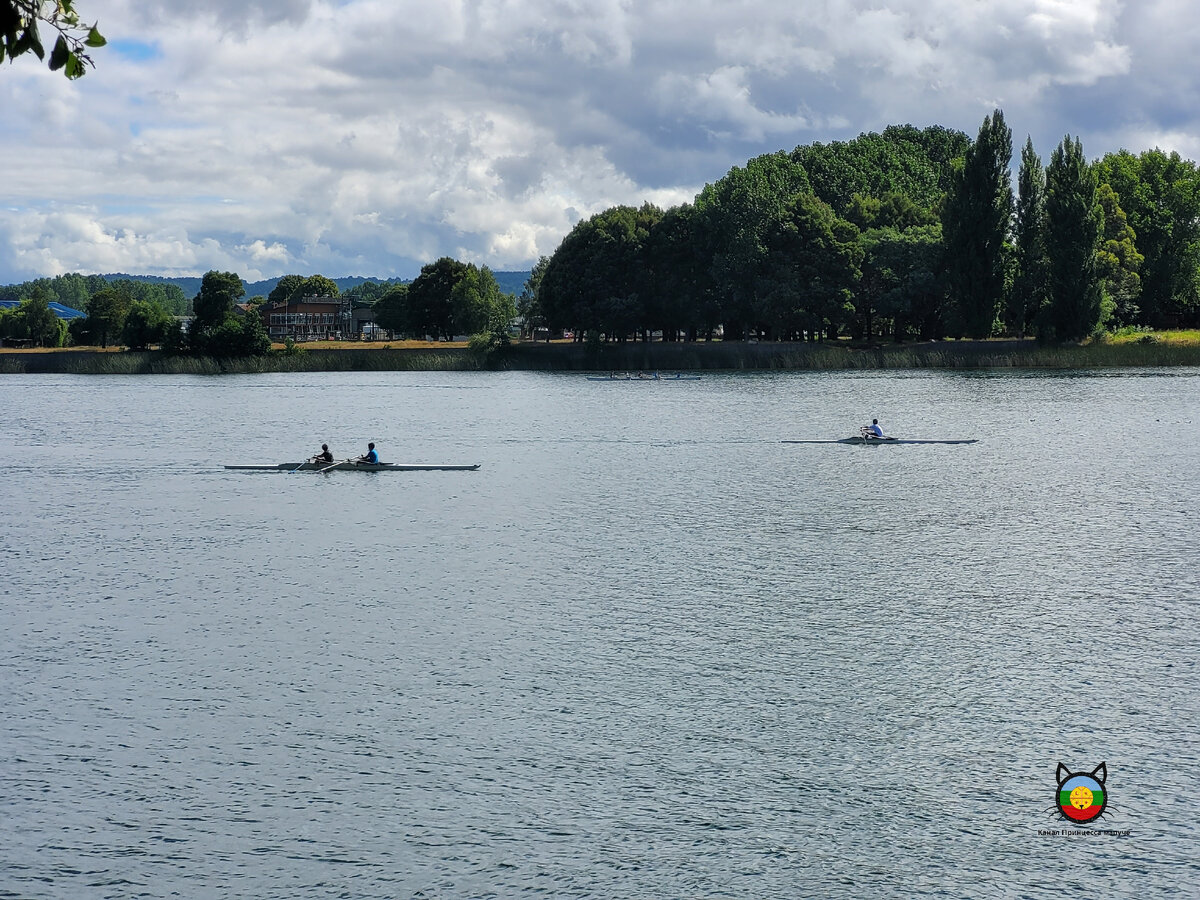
1081 797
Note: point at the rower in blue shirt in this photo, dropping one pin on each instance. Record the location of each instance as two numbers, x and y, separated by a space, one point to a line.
370 456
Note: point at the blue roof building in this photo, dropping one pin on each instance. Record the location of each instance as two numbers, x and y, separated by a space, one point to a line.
63 312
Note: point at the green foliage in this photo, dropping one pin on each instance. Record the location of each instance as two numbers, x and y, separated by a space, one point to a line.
290 347
431 298
317 286
293 288
391 310
369 292
174 339
529 304
76 290
681 295
146 323
106 311
489 347
288 287
1118 259
217 330
34 320
1160 194
975 224
1072 238
902 281
598 278
235 337
812 267
1028 292
475 299
219 291
19 34
734 219
903 161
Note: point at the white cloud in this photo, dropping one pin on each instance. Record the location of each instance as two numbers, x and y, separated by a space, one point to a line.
371 136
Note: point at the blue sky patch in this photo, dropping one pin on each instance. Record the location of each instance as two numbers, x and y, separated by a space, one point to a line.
136 51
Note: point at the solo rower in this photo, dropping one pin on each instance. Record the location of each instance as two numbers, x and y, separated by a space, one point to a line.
873 430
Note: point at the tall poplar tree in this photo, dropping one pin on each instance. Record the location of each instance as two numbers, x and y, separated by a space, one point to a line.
1072 239
1028 292
976 220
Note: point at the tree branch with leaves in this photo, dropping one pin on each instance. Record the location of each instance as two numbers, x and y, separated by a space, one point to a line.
19 34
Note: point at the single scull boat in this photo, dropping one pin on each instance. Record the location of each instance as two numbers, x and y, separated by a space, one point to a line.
885 440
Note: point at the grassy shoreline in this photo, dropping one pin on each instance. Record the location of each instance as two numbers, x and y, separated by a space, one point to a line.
998 354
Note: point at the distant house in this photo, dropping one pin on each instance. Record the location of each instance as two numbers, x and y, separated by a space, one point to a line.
363 318
308 319
65 313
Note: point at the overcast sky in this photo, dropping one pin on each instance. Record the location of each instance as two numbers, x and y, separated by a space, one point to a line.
368 137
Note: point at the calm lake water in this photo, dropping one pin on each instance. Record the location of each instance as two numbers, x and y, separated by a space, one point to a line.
647 650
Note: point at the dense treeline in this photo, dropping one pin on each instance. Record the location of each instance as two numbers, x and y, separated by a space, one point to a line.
448 298
910 234
132 313
75 290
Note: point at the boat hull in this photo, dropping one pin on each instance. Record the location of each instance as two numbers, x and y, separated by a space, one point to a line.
874 442
647 378
356 467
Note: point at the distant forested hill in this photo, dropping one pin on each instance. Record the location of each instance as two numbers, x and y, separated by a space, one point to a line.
510 282
191 286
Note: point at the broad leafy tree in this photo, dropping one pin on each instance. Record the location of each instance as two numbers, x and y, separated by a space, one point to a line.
598 279
216 329
812 269
34 320
20 34
902 161
735 218
431 298
219 291
1118 259
236 336
681 296
480 307
285 288
146 323
976 221
368 292
1073 307
391 310
902 281
1160 194
317 286
106 315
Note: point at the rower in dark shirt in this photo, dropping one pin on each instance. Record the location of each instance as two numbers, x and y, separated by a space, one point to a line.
324 455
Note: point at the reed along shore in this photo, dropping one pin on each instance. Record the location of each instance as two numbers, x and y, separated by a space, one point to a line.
623 357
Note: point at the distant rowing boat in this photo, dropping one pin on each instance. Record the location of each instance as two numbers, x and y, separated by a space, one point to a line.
644 377
889 441
346 466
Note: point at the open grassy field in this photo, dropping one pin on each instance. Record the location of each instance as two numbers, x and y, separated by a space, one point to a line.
1181 338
